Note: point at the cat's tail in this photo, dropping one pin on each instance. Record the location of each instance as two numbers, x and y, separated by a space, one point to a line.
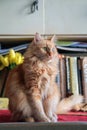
69 103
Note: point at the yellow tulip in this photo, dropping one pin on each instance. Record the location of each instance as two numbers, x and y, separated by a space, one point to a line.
18 58
4 60
12 53
11 56
22 59
11 60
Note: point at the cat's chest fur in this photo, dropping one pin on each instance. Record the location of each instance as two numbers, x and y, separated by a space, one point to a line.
46 79
44 75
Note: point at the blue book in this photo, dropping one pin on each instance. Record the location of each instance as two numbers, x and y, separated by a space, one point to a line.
72 46
16 48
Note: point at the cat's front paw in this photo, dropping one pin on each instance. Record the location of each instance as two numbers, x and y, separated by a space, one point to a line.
45 120
54 118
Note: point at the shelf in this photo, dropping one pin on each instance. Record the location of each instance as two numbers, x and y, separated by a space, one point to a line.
44 126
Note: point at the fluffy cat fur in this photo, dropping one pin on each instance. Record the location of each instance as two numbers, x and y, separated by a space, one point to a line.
31 88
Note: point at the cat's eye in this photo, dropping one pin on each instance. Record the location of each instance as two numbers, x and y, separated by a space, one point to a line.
53 49
45 48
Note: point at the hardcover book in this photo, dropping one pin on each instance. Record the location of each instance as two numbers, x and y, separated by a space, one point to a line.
84 77
79 69
74 75
63 76
68 86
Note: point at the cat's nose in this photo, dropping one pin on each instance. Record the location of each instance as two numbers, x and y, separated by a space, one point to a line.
50 54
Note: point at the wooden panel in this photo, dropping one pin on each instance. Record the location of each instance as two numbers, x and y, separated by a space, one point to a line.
16 17
66 16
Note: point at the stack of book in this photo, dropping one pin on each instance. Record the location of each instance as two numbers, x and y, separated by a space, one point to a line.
72 75
73 68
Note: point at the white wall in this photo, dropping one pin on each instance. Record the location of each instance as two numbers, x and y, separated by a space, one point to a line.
66 16
53 16
15 17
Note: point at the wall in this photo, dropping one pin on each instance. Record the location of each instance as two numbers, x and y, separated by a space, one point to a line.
66 16
15 17
53 16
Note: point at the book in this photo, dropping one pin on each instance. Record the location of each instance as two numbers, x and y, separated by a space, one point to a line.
74 75
72 44
16 48
68 86
63 77
79 69
3 76
84 77
67 46
4 103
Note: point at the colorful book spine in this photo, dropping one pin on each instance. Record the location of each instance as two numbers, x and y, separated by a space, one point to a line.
79 68
68 87
3 76
63 77
84 77
4 102
74 75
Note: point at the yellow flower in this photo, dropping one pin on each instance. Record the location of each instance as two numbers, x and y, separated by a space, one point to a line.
11 56
11 60
22 59
18 58
4 60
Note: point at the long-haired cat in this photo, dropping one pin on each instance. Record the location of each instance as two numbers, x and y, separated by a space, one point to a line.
31 87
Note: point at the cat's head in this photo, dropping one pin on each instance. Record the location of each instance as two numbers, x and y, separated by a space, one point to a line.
43 49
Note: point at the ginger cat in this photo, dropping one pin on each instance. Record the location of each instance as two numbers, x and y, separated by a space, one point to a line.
31 88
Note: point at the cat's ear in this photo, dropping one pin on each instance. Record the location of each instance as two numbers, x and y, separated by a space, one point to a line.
54 39
37 38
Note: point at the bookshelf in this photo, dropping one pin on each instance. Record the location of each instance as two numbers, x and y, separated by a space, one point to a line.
10 41
73 66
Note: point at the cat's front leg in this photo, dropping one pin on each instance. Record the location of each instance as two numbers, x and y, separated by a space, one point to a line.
52 115
50 106
37 108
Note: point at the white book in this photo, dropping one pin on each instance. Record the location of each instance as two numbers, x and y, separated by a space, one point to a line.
74 75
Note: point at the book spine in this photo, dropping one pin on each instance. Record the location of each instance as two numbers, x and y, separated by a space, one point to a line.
63 77
3 81
3 76
0 82
84 77
74 75
68 86
79 68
